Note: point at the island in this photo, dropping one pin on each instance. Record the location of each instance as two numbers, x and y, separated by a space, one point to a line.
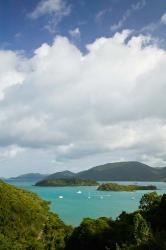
66 182
119 187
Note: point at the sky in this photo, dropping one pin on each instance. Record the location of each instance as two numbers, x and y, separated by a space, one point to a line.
82 83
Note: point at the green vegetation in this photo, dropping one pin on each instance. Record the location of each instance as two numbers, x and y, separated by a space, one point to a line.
144 229
118 187
66 182
27 224
116 171
61 175
124 171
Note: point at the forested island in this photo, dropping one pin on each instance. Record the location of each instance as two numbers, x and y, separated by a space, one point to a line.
26 223
66 182
119 187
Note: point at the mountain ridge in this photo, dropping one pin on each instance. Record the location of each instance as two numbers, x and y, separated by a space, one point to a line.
114 171
28 177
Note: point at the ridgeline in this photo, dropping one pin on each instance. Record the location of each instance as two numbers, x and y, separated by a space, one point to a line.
116 171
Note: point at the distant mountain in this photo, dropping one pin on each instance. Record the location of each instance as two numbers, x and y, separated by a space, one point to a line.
117 171
32 177
124 171
61 175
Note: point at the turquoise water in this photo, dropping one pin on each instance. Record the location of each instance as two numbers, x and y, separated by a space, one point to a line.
74 207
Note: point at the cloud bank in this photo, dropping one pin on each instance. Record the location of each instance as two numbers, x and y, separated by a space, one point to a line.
64 107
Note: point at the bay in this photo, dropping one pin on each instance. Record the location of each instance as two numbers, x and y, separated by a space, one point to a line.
89 202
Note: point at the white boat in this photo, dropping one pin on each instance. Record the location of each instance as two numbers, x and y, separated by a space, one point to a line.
79 192
133 198
89 197
101 197
60 197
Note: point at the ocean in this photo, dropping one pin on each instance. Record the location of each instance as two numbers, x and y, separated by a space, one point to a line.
73 206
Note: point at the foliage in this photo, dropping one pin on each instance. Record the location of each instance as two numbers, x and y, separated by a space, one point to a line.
144 229
27 224
118 187
66 182
24 218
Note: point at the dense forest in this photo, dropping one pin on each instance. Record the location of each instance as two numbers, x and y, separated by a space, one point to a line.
27 224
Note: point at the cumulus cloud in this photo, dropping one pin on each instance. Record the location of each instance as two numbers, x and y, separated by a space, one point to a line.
9 71
55 9
107 104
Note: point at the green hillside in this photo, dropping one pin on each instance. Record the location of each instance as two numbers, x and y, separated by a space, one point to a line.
116 171
26 223
61 175
124 171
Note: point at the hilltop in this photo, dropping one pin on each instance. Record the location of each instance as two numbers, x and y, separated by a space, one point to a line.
124 171
116 171
61 175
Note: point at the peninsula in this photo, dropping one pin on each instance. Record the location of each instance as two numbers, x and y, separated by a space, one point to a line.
66 182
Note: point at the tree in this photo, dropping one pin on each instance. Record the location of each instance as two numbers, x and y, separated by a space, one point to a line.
142 232
150 202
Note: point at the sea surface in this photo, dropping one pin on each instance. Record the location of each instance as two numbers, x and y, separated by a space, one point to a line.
73 207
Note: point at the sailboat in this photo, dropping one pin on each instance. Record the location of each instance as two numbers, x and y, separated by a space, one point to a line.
60 197
89 197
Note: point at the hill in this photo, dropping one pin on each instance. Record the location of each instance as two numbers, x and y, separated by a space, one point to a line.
26 223
116 171
32 177
61 175
66 182
124 171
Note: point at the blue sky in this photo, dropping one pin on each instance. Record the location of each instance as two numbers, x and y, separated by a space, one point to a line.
93 18
82 83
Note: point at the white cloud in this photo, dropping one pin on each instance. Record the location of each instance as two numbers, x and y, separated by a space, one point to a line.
163 18
9 71
56 9
100 15
106 104
152 27
75 33
134 7
10 152
45 7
